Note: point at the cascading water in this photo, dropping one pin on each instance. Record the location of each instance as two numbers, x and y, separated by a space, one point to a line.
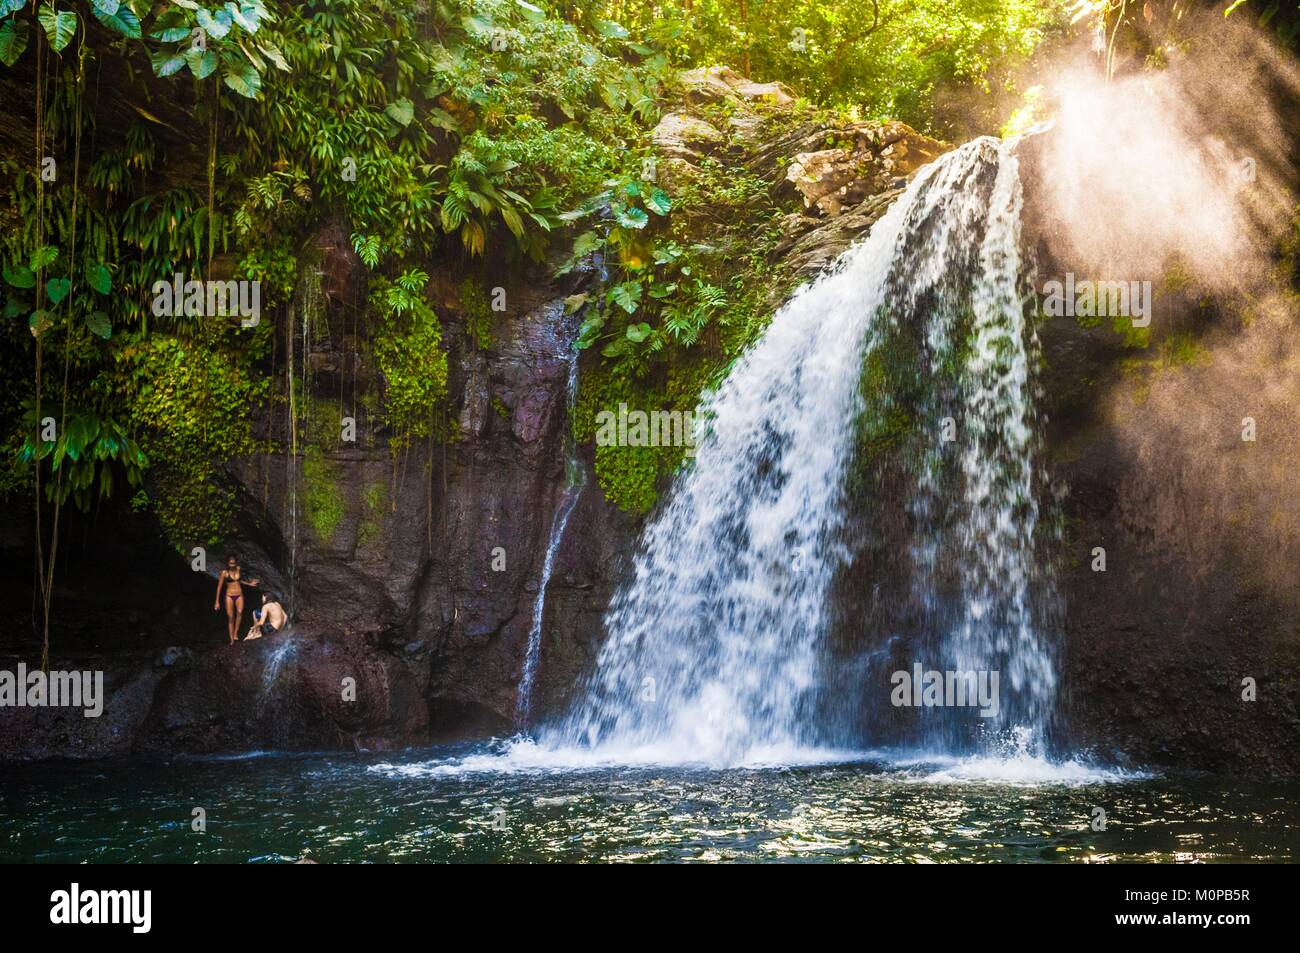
976 502
575 478
717 647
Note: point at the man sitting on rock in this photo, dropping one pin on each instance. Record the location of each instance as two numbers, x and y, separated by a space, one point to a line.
268 620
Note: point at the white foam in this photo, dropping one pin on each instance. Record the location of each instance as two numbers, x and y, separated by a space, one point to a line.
1017 771
522 755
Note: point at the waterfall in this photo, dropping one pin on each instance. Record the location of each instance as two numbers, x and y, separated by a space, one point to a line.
575 476
718 646
976 497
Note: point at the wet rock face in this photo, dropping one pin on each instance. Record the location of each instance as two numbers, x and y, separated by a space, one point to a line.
436 556
414 574
284 692
1199 540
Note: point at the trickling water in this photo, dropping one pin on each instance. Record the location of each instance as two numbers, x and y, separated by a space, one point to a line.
291 463
575 478
274 662
716 648
310 301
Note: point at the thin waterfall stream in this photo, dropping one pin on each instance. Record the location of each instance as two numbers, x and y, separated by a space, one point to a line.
575 479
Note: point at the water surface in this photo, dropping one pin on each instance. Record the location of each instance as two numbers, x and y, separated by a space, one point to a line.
508 801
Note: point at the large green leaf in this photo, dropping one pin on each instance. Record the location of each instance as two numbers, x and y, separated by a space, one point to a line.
43 256
616 348
586 243
590 330
401 112
609 28
57 289
106 7
477 26
20 276
247 17
201 63
530 11
9 6
165 62
630 217
274 55
60 25
658 202
172 26
636 333
243 79
627 295
122 20
98 276
13 40
443 119
99 324
512 220
215 25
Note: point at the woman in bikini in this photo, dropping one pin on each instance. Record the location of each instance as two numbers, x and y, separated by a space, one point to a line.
230 578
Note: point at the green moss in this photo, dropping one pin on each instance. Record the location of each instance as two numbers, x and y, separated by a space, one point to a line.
1183 350
1176 278
476 312
630 475
322 422
323 502
191 402
408 351
374 500
890 397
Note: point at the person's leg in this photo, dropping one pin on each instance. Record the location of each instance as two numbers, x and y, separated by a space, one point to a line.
234 608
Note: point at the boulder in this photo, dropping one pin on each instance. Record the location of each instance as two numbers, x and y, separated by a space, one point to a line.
876 155
714 83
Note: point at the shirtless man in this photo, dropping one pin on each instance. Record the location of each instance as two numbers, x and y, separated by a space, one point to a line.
268 620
